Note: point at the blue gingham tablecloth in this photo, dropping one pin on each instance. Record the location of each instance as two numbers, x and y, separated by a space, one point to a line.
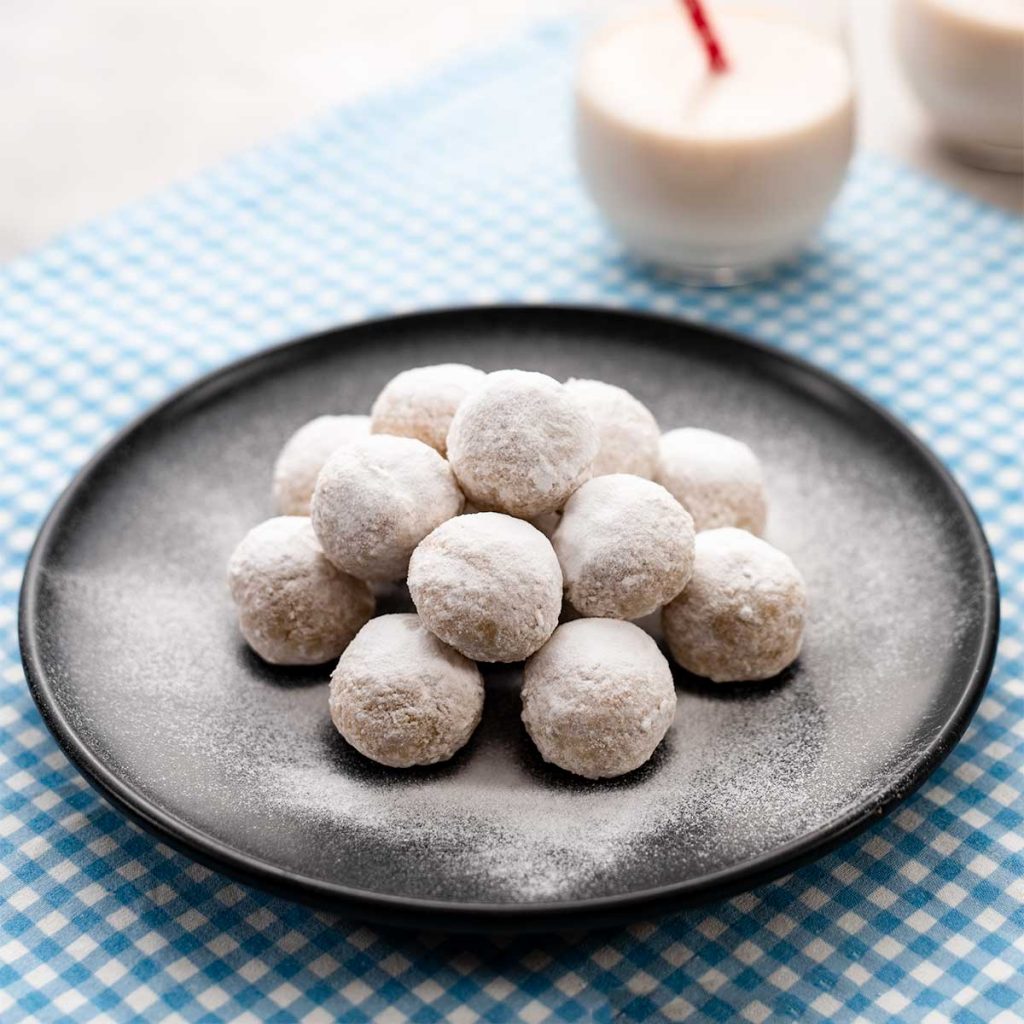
461 189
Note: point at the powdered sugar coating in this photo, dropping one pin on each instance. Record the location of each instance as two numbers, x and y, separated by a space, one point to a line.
625 546
627 429
598 697
547 522
521 443
421 402
401 697
489 585
741 617
304 455
716 478
294 606
376 499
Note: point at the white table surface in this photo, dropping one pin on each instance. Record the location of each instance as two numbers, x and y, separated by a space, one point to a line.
104 101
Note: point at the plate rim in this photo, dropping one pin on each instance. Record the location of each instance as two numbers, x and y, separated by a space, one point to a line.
418 912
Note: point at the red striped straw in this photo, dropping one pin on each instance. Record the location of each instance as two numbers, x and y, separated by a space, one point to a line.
703 27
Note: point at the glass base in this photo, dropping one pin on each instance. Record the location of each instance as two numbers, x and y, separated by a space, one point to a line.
716 276
989 157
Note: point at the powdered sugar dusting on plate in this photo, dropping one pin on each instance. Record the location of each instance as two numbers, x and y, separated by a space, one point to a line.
143 654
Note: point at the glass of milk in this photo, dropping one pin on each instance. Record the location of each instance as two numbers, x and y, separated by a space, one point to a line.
965 61
720 177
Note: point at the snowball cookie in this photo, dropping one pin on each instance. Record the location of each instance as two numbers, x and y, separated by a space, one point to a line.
521 443
546 523
376 499
294 607
401 697
741 617
421 402
303 456
598 697
628 433
717 479
625 546
489 585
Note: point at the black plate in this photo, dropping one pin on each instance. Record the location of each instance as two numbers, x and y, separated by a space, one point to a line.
132 654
